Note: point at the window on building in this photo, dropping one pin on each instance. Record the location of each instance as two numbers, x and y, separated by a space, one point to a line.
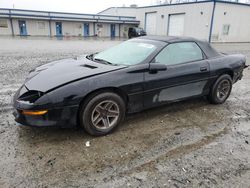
180 52
41 25
225 29
3 23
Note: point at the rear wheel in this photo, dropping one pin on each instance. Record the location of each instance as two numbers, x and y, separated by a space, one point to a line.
102 113
221 89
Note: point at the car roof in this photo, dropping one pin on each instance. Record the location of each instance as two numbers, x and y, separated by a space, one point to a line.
205 46
168 39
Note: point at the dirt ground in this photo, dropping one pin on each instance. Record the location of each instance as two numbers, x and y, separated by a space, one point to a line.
186 144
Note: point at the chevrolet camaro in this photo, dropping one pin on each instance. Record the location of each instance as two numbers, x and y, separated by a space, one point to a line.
96 91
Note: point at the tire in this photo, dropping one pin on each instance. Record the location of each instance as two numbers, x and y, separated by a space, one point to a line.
102 113
220 90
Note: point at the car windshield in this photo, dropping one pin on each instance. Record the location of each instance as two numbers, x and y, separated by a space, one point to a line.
126 53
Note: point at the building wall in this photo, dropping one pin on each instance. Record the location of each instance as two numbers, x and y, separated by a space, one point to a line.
124 30
42 23
196 24
238 19
121 11
69 28
5 30
34 27
197 17
38 27
196 21
72 28
104 29
16 27
233 17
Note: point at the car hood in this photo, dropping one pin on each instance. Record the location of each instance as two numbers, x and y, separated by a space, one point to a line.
57 73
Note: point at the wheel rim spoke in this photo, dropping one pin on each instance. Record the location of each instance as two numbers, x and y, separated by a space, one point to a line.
105 122
223 89
99 109
112 113
97 119
222 94
105 114
108 105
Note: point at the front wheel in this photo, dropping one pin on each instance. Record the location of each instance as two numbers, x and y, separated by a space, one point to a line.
221 89
102 113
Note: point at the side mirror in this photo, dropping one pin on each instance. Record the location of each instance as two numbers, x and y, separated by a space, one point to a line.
155 67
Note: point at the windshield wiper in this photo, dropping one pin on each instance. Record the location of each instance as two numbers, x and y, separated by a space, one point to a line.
103 61
90 56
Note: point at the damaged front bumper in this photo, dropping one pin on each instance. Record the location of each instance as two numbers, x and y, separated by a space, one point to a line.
42 113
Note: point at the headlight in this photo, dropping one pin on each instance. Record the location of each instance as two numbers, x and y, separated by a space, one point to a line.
30 96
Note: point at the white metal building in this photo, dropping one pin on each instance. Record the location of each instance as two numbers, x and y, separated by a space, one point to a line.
18 22
215 21
211 20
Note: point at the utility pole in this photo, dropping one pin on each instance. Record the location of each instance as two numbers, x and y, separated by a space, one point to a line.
212 22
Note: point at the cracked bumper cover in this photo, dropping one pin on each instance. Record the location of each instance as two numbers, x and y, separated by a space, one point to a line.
65 116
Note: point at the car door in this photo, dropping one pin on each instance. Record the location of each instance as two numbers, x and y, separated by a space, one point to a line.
186 74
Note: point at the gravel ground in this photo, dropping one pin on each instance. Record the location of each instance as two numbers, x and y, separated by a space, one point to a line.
186 144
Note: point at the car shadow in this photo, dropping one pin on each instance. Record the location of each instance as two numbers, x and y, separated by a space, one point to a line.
167 108
61 134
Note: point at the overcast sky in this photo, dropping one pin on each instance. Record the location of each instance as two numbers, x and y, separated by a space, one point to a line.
79 6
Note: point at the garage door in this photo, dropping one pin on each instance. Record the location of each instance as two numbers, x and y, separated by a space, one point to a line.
176 25
151 23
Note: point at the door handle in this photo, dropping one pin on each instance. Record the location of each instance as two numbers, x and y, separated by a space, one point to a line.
203 69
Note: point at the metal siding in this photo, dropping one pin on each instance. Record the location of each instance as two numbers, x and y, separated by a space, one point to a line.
71 22
6 31
193 18
196 24
237 16
150 23
176 25
34 30
32 27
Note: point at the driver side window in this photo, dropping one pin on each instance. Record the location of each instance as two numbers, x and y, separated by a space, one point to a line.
180 52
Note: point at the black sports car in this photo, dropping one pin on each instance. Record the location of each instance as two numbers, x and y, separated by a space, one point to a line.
97 90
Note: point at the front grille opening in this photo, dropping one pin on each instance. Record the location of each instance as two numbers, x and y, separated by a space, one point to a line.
31 96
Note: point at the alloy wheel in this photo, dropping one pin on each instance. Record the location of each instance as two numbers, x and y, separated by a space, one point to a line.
105 114
223 89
